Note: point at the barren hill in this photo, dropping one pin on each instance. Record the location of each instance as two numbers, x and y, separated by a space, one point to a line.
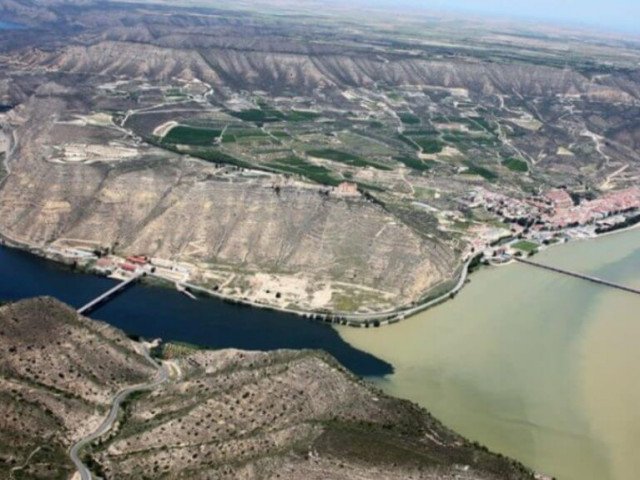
224 414
59 372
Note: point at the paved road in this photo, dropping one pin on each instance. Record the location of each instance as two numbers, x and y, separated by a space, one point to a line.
418 308
356 317
121 396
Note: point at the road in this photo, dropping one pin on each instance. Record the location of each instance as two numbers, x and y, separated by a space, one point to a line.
107 424
357 319
423 306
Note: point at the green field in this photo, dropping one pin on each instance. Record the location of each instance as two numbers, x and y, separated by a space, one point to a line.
279 134
414 163
216 156
485 173
525 246
346 158
429 144
258 115
232 135
296 165
516 165
408 118
185 135
301 115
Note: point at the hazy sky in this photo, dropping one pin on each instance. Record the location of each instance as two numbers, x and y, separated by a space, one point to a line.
606 14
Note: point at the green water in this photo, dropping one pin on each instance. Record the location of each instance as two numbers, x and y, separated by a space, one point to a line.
536 365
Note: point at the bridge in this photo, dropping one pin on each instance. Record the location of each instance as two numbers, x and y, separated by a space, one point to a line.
581 276
110 293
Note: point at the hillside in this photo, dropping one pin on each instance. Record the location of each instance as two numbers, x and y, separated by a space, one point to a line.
223 414
59 372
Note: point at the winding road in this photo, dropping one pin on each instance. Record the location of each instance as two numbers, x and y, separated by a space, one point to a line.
107 424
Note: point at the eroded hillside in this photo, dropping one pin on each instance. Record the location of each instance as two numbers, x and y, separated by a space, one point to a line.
59 373
224 414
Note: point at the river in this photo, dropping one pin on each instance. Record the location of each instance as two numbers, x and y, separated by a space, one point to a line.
154 312
536 365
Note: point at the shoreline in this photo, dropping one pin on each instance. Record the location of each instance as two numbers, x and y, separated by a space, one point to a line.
354 320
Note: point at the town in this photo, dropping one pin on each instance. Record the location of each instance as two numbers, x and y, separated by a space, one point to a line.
552 217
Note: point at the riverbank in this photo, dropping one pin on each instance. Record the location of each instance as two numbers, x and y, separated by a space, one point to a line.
165 313
356 320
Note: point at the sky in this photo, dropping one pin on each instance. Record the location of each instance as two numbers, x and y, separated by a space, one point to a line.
617 15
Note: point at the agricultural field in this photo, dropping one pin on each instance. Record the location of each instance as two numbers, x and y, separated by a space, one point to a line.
516 165
525 246
187 135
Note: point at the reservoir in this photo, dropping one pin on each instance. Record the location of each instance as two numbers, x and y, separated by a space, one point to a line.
154 312
536 365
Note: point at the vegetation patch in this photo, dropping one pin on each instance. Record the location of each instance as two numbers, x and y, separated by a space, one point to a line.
216 156
525 246
185 135
175 350
259 115
516 165
298 166
409 118
346 158
429 144
473 169
414 163
482 122
232 135
301 115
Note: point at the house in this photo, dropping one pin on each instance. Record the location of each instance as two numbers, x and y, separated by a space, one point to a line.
347 189
128 267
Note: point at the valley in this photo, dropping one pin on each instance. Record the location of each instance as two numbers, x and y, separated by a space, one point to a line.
317 167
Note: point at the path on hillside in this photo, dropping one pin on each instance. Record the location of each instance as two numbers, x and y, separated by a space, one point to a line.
107 424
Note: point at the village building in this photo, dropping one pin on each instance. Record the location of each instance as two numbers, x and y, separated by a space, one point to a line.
347 189
559 198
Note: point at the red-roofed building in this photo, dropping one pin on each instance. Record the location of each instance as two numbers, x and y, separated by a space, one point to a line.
104 262
128 267
138 260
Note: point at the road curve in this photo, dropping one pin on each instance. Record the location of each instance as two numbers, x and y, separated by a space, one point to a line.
105 426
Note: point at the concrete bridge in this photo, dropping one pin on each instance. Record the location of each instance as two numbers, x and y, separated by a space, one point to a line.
581 276
110 293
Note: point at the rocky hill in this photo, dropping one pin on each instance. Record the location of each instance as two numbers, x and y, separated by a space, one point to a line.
59 373
224 414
